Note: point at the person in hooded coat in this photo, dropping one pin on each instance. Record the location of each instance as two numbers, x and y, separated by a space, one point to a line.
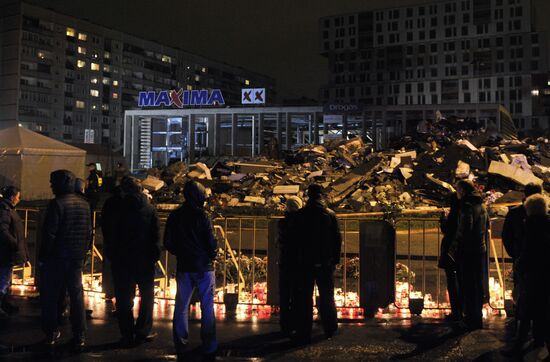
289 264
190 237
533 267
134 249
13 246
469 251
66 237
319 253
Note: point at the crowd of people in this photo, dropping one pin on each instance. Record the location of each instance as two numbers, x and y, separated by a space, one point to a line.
526 238
131 231
309 239
310 247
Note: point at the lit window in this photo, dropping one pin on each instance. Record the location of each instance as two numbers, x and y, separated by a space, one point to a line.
41 55
106 68
81 50
115 95
82 36
197 78
80 63
535 92
106 81
71 32
246 82
94 107
80 104
115 83
166 59
189 87
93 80
105 107
203 69
548 82
107 55
94 92
94 66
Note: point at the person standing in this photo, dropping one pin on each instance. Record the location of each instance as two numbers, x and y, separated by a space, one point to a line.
448 224
534 269
190 237
93 185
133 248
109 213
66 238
289 265
319 253
513 237
13 246
469 250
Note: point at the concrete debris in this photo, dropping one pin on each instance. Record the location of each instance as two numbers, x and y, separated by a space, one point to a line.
413 173
152 183
288 189
462 170
514 173
255 200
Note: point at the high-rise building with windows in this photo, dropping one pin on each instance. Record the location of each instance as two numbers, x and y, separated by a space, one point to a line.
463 52
60 75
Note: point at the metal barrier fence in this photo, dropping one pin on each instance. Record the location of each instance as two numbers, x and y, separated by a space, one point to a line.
241 265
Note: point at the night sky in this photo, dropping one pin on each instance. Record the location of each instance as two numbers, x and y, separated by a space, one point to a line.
279 38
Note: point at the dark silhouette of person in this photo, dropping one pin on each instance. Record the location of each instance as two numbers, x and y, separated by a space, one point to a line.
190 237
449 224
93 186
13 245
289 264
533 268
66 237
133 250
469 250
513 238
319 252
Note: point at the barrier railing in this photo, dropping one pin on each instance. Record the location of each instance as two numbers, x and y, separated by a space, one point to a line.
241 266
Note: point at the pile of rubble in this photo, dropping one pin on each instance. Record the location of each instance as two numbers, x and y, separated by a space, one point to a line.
415 174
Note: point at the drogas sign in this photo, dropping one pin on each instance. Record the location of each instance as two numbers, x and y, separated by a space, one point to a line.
181 98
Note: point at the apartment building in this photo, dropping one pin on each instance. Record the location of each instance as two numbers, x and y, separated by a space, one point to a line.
72 79
463 52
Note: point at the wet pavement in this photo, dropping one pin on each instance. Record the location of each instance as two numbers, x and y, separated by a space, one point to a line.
256 338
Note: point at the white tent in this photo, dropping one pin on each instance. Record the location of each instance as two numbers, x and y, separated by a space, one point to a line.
27 158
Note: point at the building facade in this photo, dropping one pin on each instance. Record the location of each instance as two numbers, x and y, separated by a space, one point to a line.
464 52
63 76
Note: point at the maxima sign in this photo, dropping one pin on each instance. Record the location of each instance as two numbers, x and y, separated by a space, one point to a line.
181 98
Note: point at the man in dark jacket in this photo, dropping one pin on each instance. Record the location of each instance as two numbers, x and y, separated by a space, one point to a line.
66 238
134 249
320 243
289 264
449 225
190 237
468 249
13 246
513 237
